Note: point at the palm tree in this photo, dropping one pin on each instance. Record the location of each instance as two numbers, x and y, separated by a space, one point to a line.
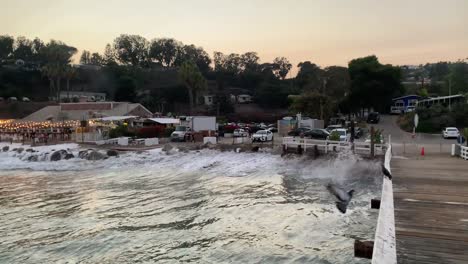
48 71
69 73
193 80
59 73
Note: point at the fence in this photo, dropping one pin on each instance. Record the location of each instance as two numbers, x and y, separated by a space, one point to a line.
329 145
463 152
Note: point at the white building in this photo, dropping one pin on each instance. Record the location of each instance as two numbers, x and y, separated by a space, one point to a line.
208 99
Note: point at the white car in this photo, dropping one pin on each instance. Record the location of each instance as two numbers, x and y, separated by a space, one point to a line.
450 132
262 135
342 132
240 133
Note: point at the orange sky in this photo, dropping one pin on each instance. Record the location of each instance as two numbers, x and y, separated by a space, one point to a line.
326 32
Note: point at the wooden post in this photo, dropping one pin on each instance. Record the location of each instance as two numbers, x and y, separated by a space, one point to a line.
363 249
299 149
372 140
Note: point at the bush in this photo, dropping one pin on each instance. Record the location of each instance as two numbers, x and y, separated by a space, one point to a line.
335 136
151 132
121 131
168 131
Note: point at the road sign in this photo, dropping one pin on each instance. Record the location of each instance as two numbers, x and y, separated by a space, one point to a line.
416 120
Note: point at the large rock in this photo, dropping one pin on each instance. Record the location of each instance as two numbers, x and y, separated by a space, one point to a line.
5 148
94 155
83 154
69 156
167 148
56 156
29 150
20 150
112 153
33 158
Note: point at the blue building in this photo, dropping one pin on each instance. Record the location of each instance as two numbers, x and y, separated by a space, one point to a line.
404 104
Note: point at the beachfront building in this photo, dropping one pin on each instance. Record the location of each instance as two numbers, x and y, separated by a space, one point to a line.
87 111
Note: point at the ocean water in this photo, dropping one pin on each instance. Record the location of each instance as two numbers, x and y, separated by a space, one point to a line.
201 207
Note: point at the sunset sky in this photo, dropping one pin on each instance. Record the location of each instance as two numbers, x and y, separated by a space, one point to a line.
326 32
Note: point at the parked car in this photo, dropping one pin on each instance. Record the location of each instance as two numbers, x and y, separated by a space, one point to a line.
373 117
298 131
25 99
262 136
272 129
410 109
317 133
240 133
332 127
450 132
342 132
180 133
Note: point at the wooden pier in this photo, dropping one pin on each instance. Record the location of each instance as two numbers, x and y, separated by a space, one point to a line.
431 209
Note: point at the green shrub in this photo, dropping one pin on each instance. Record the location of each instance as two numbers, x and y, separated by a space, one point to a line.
335 136
168 131
426 126
121 131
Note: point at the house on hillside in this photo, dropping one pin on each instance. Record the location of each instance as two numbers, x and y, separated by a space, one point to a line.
83 96
88 110
404 103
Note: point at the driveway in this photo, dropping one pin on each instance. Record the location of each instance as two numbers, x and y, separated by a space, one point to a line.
404 143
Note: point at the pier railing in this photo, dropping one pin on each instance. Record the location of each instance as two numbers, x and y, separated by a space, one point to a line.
464 152
384 251
331 145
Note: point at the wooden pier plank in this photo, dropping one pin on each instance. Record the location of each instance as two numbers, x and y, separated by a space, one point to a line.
431 209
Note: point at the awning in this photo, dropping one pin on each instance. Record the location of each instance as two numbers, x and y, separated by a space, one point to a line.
165 121
115 118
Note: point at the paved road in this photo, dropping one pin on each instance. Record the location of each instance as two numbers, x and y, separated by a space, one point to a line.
403 143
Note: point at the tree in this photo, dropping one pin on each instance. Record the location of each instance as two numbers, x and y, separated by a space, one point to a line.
281 67
23 49
272 94
193 80
131 50
458 77
109 55
126 90
337 82
37 46
57 56
49 72
313 104
249 61
85 57
373 84
69 73
309 76
196 54
96 59
165 51
6 46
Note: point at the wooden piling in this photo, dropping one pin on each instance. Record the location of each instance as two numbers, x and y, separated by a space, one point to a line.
375 203
363 249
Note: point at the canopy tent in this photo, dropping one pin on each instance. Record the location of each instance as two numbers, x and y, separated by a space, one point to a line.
165 121
115 118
